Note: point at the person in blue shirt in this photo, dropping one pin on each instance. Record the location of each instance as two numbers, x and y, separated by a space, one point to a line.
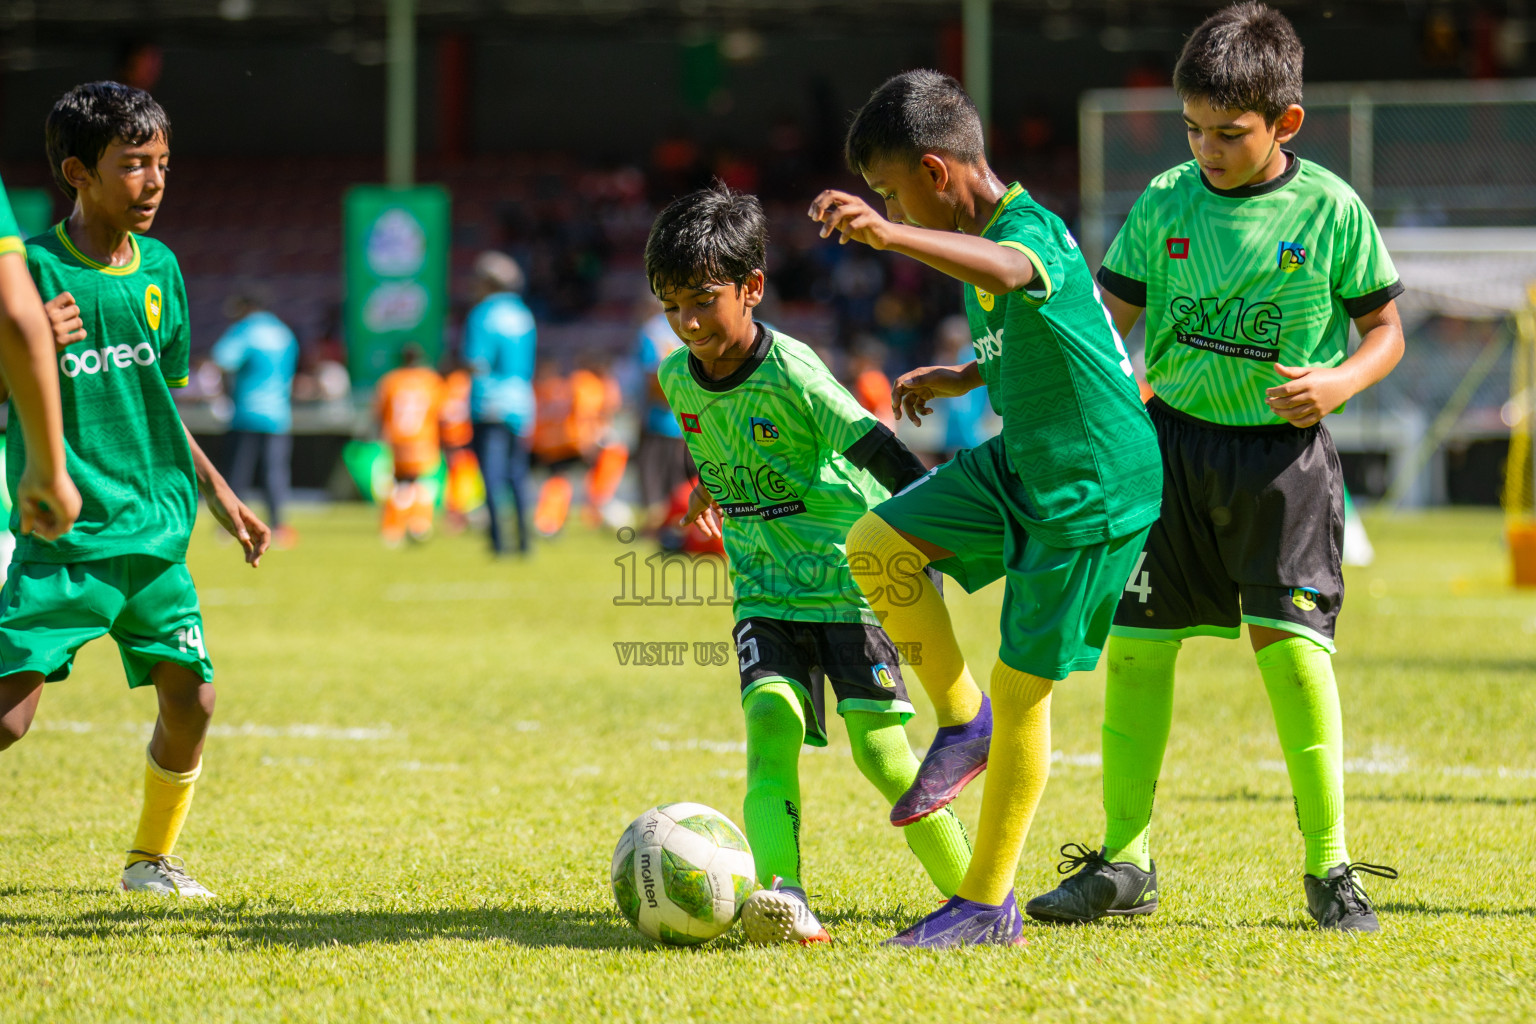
661 454
258 355
498 348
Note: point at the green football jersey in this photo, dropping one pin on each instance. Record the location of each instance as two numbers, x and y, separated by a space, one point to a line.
1235 281
124 442
768 442
1056 371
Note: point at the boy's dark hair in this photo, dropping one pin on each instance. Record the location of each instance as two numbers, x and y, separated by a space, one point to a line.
1243 57
714 234
914 113
89 118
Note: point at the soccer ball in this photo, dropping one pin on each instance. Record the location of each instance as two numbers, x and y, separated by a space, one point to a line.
681 873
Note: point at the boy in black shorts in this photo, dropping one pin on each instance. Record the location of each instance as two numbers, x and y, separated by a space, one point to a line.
1250 264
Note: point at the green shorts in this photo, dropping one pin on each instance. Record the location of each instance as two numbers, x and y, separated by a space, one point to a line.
148 605
1059 602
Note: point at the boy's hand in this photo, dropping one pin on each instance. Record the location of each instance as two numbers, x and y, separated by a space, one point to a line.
64 317
1311 392
254 535
852 216
914 389
703 510
48 508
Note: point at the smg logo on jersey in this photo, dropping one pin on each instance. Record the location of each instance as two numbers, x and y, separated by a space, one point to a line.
1227 326
101 360
743 491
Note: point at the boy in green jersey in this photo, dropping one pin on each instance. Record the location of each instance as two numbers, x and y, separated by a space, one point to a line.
119 314
1250 264
1058 503
791 460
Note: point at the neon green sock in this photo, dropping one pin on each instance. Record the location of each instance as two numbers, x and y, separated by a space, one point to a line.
1298 673
881 751
1138 708
771 810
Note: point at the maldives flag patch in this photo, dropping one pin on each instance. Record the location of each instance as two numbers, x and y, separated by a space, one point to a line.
1178 248
691 423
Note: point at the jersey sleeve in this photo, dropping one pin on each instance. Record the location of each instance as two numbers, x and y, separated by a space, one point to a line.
837 415
10 234
1364 277
1124 272
176 351
1032 238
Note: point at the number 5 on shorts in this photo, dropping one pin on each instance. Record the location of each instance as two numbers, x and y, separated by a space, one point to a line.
1140 582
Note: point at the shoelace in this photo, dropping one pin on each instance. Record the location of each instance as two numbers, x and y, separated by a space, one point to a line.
1074 860
1352 891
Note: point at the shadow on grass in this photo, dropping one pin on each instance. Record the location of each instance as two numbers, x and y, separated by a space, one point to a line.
302 930
1369 798
1421 908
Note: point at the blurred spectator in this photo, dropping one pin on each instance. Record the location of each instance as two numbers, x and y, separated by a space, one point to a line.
258 354
499 339
458 434
408 404
867 379
575 428
661 453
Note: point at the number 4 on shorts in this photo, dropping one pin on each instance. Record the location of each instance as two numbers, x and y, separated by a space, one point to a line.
1140 582
191 638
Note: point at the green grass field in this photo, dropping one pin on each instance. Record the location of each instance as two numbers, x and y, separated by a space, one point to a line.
421 761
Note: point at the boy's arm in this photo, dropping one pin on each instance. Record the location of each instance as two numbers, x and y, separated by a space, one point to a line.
253 534
1121 312
1312 392
994 268
888 460
914 389
46 497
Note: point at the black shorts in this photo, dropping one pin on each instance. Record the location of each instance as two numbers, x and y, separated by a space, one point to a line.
663 463
1251 531
860 660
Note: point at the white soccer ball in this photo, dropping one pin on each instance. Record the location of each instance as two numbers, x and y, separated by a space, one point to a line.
681 873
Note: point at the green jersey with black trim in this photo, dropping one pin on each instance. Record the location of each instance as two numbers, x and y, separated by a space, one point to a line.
1074 427
768 441
1237 280
125 446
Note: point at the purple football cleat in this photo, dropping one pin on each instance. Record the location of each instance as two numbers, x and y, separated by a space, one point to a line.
958 754
961 922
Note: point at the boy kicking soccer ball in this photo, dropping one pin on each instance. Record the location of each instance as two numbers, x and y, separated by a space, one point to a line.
791 460
1250 264
119 314
1058 504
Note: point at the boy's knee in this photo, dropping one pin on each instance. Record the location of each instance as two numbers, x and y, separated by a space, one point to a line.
868 534
770 711
186 700
13 727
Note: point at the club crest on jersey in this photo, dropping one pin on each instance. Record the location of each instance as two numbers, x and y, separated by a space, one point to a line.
1178 248
152 304
1291 256
883 677
1304 598
763 431
691 423
986 299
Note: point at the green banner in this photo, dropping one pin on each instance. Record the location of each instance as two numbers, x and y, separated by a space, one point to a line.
33 208
397 275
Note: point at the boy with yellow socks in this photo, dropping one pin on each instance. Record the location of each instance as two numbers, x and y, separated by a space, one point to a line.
122 570
1058 504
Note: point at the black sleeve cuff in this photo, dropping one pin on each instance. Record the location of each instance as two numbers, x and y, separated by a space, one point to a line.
1375 300
1126 289
881 452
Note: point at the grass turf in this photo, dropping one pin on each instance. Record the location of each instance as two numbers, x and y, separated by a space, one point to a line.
421 761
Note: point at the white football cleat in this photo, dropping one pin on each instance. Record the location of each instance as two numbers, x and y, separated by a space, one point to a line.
781 914
164 876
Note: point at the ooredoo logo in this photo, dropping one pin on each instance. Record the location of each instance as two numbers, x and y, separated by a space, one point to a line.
101 360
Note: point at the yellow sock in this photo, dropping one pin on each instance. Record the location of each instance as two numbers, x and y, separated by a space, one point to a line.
1017 767
167 798
890 572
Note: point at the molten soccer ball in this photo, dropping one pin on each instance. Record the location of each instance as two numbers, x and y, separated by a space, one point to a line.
681 873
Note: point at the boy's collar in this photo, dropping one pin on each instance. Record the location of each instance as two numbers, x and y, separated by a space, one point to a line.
760 350
61 231
1263 188
1009 195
